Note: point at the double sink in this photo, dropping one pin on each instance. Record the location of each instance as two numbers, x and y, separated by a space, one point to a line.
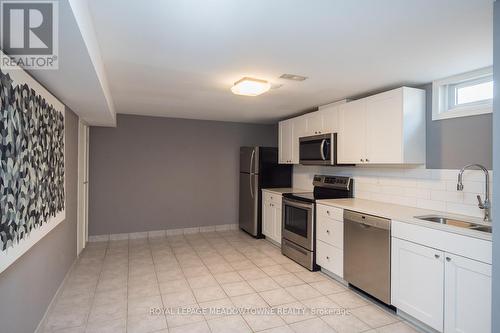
454 222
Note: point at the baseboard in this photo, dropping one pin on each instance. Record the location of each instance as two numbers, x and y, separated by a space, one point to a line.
42 323
163 233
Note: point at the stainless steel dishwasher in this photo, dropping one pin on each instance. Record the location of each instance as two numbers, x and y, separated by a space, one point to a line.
367 254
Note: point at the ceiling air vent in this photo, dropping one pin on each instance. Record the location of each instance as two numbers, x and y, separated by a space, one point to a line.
293 77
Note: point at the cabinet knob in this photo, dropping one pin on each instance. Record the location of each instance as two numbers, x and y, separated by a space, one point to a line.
367 160
436 256
448 259
328 212
362 160
327 258
328 231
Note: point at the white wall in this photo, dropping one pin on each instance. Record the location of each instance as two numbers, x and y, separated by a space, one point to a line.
416 187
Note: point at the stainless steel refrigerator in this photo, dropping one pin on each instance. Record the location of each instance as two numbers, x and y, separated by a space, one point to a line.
259 169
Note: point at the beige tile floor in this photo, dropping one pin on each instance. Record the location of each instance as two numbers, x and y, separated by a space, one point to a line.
115 284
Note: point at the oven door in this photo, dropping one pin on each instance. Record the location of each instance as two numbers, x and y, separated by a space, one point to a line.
317 150
298 223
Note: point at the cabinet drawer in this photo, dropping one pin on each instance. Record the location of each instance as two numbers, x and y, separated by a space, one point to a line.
272 198
331 232
330 258
331 212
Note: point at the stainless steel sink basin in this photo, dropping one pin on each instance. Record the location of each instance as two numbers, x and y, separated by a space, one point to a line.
454 222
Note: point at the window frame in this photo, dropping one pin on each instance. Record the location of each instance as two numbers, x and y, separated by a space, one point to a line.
442 105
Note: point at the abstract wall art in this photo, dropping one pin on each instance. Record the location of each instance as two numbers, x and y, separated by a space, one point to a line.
32 186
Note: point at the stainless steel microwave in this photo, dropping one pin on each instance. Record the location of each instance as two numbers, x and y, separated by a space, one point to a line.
318 149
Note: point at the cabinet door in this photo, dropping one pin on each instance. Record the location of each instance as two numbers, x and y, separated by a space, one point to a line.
277 223
330 119
285 142
384 128
300 125
315 123
417 281
267 218
467 295
352 133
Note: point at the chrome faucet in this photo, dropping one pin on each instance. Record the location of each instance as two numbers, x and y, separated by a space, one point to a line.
486 205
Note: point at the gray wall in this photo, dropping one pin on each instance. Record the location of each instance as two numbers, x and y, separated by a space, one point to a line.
453 143
152 173
28 285
496 168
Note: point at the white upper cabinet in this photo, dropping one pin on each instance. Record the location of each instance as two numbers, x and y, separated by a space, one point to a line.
387 128
286 142
299 130
314 123
330 117
351 139
384 133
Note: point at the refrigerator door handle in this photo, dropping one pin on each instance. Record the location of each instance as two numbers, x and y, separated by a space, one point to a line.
251 161
251 186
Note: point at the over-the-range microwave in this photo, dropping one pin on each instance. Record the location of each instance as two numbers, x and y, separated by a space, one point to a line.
318 149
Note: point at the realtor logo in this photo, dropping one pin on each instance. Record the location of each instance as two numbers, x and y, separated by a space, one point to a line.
29 34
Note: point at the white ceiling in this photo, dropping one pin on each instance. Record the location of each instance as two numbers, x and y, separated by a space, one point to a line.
80 82
179 58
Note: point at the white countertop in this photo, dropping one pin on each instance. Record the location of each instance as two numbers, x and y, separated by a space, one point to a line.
282 190
407 214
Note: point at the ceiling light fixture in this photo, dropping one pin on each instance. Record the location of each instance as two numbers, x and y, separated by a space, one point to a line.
248 86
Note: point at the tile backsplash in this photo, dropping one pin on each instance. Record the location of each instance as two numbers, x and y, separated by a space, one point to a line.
434 189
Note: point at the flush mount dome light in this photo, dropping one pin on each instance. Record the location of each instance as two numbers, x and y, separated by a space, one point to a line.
248 86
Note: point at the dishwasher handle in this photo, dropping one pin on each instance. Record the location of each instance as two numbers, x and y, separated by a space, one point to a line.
367 221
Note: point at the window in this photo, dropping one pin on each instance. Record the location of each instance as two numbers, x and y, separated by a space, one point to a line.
463 95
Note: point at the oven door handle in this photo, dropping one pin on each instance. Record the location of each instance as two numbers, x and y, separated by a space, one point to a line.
295 203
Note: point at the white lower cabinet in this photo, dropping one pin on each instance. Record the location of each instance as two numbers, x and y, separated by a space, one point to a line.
271 216
447 292
417 283
467 295
330 258
330 239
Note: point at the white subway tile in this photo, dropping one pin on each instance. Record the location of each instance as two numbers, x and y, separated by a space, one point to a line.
419 193
393 190
444 174
470 210
401 182
448 196
419 173
363 195
432 184
469 186
366 187
431 204
365 180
